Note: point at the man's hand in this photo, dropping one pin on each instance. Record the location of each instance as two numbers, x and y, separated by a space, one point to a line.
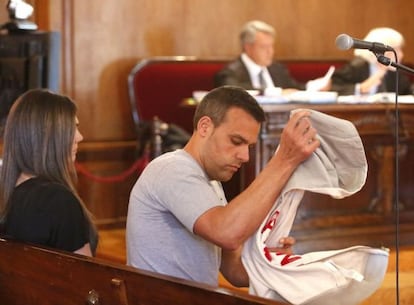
286 244
298 139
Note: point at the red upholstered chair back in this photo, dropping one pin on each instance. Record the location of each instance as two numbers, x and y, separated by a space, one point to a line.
308 69
158 86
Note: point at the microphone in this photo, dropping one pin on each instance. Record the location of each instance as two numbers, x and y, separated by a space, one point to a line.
345 42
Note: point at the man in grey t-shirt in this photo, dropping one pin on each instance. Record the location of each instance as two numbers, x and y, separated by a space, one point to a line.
179 222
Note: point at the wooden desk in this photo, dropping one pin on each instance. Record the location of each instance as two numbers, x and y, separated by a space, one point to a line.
367 217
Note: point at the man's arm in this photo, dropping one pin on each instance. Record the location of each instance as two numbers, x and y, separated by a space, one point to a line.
229 226
234 74
232 267
345 78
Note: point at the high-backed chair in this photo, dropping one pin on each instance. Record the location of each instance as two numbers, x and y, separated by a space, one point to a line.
158 86
304 70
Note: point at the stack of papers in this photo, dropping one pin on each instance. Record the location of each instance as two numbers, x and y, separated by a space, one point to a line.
199 94
317 97
385 97
263 99
300 96
322 82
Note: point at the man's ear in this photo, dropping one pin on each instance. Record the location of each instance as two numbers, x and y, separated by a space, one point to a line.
204 125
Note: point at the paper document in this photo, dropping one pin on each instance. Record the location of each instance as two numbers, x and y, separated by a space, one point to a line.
320 83
382 97
317 97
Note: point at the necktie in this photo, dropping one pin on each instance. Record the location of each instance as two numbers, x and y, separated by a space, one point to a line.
262 81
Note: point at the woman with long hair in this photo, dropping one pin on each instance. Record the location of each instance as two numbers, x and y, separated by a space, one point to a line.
39 201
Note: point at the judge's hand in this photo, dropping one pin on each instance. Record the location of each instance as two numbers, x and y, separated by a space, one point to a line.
372 81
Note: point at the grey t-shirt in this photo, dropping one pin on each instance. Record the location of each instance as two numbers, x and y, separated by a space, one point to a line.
169 196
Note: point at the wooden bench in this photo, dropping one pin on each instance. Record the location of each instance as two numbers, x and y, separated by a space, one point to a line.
40 276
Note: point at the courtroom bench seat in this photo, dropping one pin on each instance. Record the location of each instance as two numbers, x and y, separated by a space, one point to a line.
41 276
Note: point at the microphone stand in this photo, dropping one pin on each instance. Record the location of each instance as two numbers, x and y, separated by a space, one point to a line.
388 62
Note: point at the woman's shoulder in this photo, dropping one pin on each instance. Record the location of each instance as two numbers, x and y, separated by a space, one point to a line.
43 184
44 190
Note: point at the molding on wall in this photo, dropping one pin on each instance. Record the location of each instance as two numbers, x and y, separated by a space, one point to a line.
67 83
58 16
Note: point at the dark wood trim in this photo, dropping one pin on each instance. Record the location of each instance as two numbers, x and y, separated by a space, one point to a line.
40 275
68 81
41 14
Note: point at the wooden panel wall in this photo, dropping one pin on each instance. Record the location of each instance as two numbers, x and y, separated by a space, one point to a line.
104 39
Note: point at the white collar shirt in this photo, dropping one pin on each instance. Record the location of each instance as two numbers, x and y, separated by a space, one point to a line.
254 71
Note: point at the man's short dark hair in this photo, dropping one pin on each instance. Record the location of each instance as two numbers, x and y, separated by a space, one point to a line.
219 100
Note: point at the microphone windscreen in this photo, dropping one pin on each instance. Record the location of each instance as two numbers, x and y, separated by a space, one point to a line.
344 42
